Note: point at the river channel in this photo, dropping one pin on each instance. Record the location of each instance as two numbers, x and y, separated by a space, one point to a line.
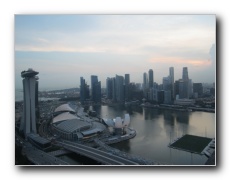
156 128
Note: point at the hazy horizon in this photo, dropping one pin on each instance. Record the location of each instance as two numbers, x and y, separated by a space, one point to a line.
63 48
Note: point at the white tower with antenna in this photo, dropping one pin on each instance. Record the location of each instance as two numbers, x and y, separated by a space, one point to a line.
28 121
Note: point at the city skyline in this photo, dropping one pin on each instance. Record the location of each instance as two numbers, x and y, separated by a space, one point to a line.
64 48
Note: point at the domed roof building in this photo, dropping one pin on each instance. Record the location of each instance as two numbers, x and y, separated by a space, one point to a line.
70 126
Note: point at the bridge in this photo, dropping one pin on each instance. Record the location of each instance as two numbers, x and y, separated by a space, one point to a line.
98 155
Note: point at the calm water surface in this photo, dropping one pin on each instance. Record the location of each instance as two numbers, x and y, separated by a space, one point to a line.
156 128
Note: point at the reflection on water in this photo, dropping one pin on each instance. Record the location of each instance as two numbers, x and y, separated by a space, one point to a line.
156 128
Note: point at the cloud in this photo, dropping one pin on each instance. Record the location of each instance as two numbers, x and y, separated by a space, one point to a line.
123 34
212 53
179 61
112 44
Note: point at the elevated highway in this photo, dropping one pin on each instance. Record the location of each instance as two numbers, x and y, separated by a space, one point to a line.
39 157
98 155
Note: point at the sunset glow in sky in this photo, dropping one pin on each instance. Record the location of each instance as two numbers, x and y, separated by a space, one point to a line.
62 48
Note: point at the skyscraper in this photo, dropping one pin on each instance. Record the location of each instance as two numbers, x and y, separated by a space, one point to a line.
109 88
166 83
185 74
95 89
28 121
120 96
127 81
145 81
185 86
198 88
114 89
84 90
150 78
171 75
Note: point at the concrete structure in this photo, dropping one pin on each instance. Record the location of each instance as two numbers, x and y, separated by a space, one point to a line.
155 91
185 74
95 89
84 90
160 96
151 78
127 81
145 85
171 75
28 121
109 88
198 88
69 126
185 85
167 97
120 91
96 154
114 89
145 81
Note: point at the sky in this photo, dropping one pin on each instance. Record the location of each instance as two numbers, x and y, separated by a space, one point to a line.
63 48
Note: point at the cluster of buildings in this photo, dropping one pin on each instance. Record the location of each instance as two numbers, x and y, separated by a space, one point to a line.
182 91
95 90
66 122
170 90
120 89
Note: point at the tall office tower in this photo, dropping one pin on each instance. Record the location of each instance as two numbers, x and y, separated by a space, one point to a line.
185 80
127 81
109 88
150 78
166 83
160 96
120 93
114 89
28 121
167 97
177 89
171 75
155 91
84 90
98 92
145 81
167 87
185 74
190 88
95 89
198 89
183 89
